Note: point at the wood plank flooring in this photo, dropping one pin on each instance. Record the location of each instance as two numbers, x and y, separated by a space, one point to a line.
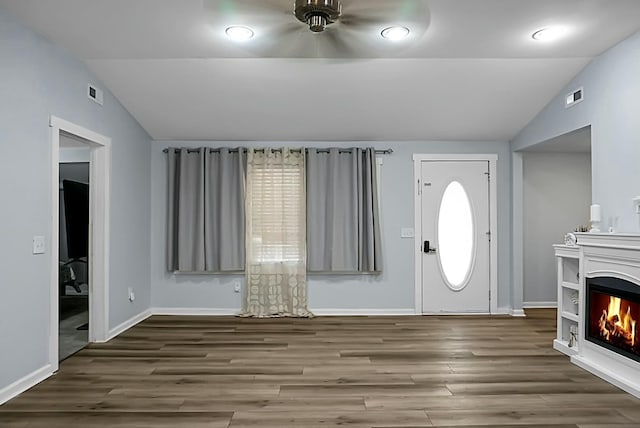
326 372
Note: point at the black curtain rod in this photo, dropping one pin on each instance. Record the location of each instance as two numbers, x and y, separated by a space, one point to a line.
378 152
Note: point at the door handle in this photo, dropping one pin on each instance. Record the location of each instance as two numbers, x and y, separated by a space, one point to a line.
427 248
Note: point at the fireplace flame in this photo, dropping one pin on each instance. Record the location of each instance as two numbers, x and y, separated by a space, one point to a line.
615 324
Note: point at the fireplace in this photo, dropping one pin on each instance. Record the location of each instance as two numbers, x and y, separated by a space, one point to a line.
613 311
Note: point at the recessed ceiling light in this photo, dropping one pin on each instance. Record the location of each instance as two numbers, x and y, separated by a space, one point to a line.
549 34
239 33
395 33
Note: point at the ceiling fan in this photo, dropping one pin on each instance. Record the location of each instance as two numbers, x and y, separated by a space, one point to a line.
322 28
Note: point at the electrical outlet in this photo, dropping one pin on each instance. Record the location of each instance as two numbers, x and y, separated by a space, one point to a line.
236 286
131 294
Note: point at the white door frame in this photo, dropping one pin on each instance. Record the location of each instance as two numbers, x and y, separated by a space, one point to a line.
99 218
517 266
493 223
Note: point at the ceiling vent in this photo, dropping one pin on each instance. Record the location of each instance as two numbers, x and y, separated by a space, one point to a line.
574 98
95 94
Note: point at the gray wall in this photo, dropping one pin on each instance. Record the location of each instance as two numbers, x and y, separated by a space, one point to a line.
611 106
394 289
39 79
557 195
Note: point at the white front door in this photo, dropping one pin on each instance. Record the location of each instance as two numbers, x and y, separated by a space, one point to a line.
456 236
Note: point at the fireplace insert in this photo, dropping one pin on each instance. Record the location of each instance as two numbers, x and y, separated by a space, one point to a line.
613 309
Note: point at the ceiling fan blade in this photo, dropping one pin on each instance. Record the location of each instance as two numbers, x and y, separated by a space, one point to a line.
376 15
282 41
288 30
356 20
335 45
243 6
384 11
248 11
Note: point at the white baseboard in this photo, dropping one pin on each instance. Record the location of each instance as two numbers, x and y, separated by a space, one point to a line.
128 324
196 311
318 312
539 305
511 312
21 385
363 312
607 374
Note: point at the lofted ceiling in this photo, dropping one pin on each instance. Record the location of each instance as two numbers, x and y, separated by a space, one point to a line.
469 70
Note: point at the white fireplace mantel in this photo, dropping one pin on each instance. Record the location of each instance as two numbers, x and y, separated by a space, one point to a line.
610 255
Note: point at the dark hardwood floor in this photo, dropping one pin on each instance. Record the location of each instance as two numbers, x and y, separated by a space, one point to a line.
325 372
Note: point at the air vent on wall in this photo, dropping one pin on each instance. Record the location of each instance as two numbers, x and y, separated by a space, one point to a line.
574 98
95 94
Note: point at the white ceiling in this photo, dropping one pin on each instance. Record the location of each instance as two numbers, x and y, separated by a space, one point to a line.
470 71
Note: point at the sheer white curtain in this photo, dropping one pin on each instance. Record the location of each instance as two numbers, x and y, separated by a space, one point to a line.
275 234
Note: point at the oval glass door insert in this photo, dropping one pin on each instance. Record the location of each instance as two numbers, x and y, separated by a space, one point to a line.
455 236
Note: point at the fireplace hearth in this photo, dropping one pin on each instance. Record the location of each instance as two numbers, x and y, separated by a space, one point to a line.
613 311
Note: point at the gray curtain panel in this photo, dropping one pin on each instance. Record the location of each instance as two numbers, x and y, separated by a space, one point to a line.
206 210
343 222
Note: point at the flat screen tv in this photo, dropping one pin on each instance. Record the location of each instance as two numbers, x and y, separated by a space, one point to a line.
76 211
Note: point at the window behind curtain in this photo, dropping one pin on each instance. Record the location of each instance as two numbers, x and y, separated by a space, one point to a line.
276 234
277 223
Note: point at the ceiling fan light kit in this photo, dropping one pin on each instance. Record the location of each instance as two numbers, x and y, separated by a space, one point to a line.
239 33
320 28
549 34
395 33
318 13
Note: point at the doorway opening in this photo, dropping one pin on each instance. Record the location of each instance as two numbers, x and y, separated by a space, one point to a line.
73 245
81 160
552 188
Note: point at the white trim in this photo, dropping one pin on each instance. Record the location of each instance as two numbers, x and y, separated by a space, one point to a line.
517 265
126 325
487 314
319 312
605 373
196 311
517 313
21 385
493 222
54 285
503 311
99 233
417 235
455 157
325 312
72 128
539 305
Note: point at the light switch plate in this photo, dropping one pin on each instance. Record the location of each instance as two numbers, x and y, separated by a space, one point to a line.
407 232
38 245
